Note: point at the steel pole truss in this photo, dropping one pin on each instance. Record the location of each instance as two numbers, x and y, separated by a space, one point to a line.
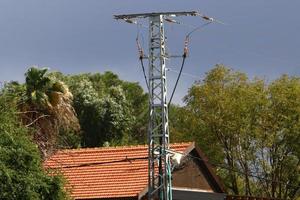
159 162
159 171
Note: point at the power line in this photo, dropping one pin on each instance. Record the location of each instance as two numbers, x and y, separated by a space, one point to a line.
197 28
185 74
188 155
126 159
251 174
178 77
185 52
141 56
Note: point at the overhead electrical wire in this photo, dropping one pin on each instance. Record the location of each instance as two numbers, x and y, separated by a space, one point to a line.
178 77
141 56
187 39
145 77
126 159
251 174
197 28
185 53
184 74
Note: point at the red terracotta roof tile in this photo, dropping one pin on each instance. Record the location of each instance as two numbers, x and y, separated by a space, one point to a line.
106 172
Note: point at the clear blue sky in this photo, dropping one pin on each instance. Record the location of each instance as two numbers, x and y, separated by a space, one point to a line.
74 36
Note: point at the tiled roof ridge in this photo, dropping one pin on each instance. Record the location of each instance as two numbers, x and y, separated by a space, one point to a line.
116 147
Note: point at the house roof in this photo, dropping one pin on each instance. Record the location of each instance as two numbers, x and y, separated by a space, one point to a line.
107 172
116 172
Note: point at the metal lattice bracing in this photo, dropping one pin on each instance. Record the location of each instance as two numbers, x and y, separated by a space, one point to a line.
159 176
159 184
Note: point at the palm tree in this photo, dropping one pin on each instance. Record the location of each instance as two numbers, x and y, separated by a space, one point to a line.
37 86
47 108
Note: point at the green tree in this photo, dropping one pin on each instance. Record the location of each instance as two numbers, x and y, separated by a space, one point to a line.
138 103
104 118
248 128
45 105
21 172
109 109
279 138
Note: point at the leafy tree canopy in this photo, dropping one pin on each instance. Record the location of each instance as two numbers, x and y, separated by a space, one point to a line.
248 128
110 111
21 172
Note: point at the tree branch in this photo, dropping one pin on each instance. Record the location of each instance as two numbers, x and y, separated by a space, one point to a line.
42 116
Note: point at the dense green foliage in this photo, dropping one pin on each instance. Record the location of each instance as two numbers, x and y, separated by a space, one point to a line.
21 174
249 129
88 110
110 111
45 105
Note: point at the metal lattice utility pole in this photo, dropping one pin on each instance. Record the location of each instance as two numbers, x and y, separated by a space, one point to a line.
159 171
